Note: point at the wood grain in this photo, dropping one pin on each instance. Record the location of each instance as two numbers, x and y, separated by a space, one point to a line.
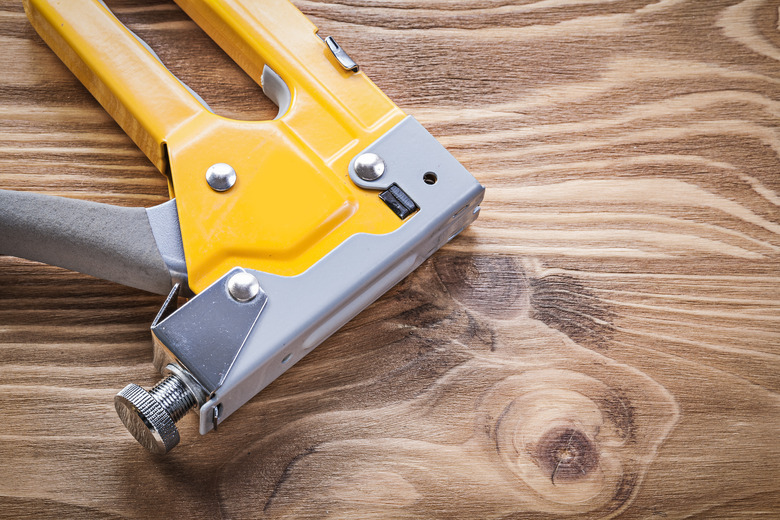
604 341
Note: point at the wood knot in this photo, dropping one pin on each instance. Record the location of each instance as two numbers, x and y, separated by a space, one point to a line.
565 454
571 438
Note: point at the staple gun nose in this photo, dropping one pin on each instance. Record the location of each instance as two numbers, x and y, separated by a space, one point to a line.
278 232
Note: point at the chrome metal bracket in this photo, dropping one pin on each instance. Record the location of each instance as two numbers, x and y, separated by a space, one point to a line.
341 55
206 334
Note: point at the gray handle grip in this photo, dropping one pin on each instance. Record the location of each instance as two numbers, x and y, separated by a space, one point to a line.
109 242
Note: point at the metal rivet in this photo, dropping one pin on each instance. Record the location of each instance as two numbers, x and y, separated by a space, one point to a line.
243 287
369 166
221 176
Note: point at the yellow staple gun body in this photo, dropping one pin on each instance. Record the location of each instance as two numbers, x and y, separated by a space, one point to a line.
280 231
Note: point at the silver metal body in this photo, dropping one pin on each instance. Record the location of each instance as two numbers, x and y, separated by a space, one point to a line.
302 311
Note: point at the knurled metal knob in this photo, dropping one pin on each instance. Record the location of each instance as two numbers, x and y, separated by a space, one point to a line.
151 416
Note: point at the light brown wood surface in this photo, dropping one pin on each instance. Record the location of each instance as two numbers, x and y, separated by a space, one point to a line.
604 341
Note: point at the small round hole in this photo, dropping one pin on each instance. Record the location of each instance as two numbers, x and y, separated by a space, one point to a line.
430 178
287 358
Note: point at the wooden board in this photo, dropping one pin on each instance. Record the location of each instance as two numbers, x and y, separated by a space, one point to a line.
604 341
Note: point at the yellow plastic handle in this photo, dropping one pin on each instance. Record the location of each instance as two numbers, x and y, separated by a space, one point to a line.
128 80
293 201
256 33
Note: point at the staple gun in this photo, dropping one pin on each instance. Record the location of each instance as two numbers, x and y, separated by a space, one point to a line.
278 232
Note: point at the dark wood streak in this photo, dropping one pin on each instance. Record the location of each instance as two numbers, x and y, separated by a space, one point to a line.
620 412
286 474
492 285
624 490
21 508
565 304
499 419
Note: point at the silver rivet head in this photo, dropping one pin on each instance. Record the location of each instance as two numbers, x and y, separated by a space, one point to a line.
221 176
243 287
369 166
